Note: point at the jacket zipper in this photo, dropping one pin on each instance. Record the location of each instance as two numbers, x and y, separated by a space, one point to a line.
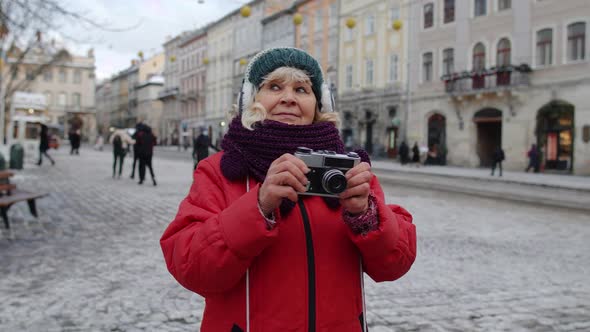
310 268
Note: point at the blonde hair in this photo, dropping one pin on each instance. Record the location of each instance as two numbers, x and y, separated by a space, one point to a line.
285 75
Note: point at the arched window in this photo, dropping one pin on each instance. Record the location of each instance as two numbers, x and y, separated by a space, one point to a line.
503 54
576 41
544 47
479 57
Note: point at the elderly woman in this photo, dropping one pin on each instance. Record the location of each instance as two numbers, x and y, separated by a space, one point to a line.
265 257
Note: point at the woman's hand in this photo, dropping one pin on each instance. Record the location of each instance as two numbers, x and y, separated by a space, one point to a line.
284 178
355 199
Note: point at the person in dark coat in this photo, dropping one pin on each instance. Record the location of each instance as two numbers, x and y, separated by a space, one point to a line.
404 153
145 141
416 154
201 146
75 138
497 159
44 145
138 127
533 155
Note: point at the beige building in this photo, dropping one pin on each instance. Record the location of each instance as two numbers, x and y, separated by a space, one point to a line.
509 73
219 77
193 74
68 86
371 72
170 94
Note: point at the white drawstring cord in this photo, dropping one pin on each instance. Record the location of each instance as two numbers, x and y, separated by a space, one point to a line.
248 276
363 294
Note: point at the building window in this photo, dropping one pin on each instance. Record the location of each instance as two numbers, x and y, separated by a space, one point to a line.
449 15
78 76
61 99
318 52
544 47
448 61
503 54
393 68
427 67
349 34
333 14
48 98
29 74
480 8
428 15
349 76
504 4
370 71
62 76
576 41
479 57
318 20
370 25
394 14
76 99
48 75
303 25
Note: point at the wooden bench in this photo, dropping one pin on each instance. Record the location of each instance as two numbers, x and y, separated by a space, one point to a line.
9 195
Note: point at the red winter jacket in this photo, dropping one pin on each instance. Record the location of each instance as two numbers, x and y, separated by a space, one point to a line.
304 275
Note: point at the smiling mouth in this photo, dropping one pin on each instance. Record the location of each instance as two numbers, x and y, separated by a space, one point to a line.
287 114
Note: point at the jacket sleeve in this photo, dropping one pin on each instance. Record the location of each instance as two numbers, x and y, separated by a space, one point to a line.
388 252
211 242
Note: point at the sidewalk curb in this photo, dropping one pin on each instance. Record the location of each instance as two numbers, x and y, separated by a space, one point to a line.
483 179
506 196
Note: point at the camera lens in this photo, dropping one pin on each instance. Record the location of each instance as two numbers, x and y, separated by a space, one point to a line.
334 181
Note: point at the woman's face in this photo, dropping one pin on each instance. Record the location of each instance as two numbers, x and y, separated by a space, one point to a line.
288 102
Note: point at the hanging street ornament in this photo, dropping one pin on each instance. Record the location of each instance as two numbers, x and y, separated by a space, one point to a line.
172 58
205 61
350 22
243 62
245 11
297 19
397 24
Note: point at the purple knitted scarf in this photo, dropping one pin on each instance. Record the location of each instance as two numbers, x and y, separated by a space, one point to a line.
250 152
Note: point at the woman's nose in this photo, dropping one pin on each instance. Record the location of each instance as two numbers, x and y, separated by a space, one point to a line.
288 97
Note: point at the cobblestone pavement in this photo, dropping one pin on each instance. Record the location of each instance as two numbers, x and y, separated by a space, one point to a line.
92 261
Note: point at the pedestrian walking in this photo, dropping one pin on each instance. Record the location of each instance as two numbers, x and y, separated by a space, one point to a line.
416 154
404 153
99 142
120 141
75 138
44 145
497 159
263 256
145 142
201 146
533 155
138 127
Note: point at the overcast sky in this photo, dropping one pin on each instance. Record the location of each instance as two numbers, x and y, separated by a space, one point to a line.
156 20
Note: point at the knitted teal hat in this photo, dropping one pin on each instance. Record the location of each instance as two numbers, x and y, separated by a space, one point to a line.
268 60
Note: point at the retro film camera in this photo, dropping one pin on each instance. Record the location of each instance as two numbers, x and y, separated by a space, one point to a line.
327 168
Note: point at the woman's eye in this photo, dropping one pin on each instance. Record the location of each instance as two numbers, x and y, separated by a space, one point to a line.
301 89
275 87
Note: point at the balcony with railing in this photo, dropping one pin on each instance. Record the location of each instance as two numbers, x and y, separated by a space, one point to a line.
168 93
488 80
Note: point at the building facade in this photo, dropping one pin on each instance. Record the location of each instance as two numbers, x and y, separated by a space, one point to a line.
278 29
193 74
501 73
371 74
68 84
170 93
219 77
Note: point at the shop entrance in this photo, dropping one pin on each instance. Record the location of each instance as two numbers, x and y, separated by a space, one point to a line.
489 134
555 123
